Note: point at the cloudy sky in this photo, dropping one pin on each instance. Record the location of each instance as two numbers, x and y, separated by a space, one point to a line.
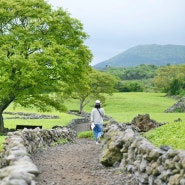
117 25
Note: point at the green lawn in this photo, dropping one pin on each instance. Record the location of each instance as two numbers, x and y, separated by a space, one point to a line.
63 120
172 134
123 107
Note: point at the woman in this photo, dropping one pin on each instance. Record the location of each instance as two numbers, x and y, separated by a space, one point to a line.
97 114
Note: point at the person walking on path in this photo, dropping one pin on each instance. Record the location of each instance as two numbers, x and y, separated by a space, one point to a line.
97 114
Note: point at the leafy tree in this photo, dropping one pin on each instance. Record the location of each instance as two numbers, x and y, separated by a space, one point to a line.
99 83
174 87
142 71
41 51
129 86
170 79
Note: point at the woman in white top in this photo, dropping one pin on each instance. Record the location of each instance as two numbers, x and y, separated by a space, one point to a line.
97 114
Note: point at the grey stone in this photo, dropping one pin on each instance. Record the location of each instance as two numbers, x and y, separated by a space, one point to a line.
19 168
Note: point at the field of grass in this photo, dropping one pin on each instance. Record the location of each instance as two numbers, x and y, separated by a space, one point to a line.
170 134
123 107
63 120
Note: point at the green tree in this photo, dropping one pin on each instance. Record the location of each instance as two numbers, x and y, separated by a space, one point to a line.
129 86
94 87
142 71
42 51
170 79
174 87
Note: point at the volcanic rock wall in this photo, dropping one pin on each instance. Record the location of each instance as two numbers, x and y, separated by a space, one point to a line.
135 154
15 162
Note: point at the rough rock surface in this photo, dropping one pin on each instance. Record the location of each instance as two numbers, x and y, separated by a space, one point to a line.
178 106
77 164
144 123
150 164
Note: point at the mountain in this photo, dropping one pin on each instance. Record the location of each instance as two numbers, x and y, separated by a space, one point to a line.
159 55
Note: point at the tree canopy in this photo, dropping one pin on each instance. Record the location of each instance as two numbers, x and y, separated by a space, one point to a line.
170 79
41 50
98 84
140 72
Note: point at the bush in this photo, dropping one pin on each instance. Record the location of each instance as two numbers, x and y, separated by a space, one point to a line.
86 134
129 87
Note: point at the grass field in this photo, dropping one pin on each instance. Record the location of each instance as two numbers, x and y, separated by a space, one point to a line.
123 107
63 120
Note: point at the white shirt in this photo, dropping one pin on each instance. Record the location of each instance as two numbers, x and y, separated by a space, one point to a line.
95 115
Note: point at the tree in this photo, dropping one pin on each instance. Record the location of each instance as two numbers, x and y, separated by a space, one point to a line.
98 84
42 51
170 79
129 86
175 86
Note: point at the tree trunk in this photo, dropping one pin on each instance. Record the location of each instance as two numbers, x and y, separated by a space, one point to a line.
4 104
81 106
1 122
83 103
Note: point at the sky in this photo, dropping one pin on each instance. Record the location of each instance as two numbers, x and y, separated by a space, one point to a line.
114 26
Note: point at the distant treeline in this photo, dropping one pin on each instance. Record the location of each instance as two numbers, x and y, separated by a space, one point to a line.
133 73
150 78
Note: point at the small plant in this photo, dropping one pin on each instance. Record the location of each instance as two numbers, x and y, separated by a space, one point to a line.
59 141
179 110
86 134
62 141
2 138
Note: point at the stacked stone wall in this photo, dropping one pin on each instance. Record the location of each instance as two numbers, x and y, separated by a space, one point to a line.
15 162
123 146
135 154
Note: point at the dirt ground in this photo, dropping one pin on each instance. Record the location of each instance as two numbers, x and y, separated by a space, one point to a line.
77 163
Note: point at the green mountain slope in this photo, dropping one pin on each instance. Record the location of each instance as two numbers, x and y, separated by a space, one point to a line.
159 55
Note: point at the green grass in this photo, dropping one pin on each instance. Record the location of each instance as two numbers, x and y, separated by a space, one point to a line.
170 135
86 134
63 120
2 138
59 141
123 107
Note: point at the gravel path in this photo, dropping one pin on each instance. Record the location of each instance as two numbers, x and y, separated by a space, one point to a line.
77 163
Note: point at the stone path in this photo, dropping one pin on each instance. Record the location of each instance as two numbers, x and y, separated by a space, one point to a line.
77 164
82 127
